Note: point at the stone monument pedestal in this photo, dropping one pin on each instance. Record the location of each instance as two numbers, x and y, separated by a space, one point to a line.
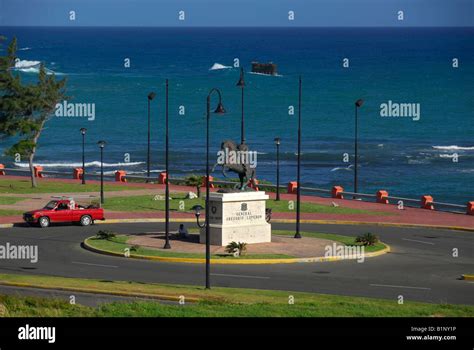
238 217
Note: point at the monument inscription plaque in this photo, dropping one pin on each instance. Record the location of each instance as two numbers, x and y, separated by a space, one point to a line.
239 217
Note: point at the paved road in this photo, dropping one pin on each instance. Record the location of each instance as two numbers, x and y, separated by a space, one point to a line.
421 266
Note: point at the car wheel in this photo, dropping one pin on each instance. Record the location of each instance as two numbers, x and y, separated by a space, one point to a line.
86 220
43 221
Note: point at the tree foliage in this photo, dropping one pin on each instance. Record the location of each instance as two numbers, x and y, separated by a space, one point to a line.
25 108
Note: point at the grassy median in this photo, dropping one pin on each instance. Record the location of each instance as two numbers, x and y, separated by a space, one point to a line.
23 186
119 244
217 302
180 203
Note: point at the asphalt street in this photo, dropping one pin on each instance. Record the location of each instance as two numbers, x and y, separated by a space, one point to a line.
420 267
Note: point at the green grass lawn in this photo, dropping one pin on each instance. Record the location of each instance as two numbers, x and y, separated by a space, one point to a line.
24 186
180 203
347 240
118 244
216 302
10 212
4 200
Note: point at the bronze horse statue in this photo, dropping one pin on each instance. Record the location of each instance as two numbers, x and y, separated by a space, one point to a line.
245 172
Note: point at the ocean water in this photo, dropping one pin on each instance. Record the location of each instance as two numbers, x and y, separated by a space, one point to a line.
410 65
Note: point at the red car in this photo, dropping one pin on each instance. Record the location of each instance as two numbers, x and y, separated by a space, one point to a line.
64 210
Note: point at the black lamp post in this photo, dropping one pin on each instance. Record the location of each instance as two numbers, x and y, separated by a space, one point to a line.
277 143
101 146
197 208
241 84
167 190
151 96
83 133
358 104
298 177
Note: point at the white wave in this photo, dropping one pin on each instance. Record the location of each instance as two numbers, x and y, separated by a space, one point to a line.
418 161
24 49
448 155
26 66
343 168
78 165
267 75
454 147
218 66
22 64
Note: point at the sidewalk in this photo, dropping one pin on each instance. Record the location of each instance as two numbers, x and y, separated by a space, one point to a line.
408 216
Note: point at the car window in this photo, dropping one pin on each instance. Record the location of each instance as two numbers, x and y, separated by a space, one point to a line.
63 206
50 205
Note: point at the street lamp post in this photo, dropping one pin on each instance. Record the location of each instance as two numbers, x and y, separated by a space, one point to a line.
151 96
277 143
219 110
241 84
167 190
83 133
101 146
358 104
298 177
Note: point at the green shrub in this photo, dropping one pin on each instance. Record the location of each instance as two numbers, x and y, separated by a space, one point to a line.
367 239
104 234
238 249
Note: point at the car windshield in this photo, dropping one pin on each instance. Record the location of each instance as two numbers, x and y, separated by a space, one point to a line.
50 205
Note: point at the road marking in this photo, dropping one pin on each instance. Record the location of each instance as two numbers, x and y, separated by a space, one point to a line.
241 276
414 240
394 286
84 263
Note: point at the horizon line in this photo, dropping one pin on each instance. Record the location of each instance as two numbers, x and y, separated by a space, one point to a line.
218 26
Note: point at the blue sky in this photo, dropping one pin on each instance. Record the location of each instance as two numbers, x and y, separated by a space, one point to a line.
237 12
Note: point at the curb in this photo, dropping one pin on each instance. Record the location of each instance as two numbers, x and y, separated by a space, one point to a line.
102 292
284 221
87 246
467 277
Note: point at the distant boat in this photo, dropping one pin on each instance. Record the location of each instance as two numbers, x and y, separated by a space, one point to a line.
264 68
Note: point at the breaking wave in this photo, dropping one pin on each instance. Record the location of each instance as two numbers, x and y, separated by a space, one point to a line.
453 148
218 66
78 165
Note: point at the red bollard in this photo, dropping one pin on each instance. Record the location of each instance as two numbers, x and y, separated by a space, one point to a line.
120 176
253 184
162 178
38 171
337 192
382 197
292 187
204 182
470 208
77 174
427 202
